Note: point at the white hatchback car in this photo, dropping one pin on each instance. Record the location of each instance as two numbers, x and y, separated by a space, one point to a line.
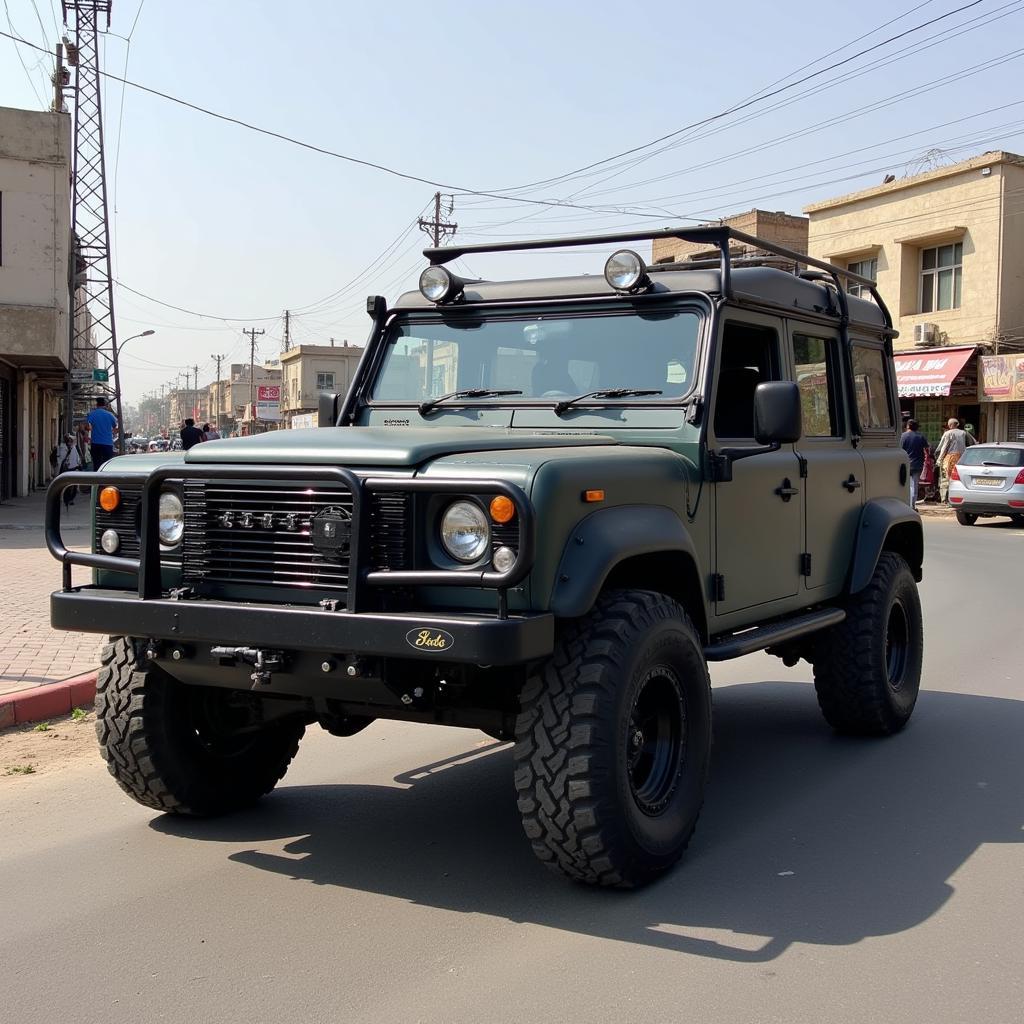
989 481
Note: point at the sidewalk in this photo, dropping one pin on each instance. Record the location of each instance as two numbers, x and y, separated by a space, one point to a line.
32 654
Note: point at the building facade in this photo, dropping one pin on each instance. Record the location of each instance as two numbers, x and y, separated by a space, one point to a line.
946 248
227 400
783 229
308 370
35 275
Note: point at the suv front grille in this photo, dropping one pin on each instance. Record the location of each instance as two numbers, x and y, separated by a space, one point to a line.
268 540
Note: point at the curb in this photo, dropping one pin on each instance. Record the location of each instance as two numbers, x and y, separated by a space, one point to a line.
48 701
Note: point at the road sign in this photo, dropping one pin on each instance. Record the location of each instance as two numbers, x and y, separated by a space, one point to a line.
89 376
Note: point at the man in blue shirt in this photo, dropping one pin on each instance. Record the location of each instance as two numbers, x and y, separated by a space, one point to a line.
915 444
101 425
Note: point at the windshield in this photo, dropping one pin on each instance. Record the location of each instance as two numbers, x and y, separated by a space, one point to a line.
1011 458
544 357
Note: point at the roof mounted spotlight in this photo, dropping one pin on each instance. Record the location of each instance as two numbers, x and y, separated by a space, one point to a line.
626 271
440 285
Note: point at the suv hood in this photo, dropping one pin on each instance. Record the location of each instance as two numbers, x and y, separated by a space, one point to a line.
380 446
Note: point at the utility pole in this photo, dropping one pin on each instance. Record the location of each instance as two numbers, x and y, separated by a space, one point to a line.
215 413
92 325
253 335
195 391
287 330
61 77
437 227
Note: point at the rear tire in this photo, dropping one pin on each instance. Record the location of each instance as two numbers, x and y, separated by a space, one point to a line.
1017 519
867 670
172 747
613 742
966 518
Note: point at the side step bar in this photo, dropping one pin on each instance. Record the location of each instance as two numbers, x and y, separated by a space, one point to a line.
735 645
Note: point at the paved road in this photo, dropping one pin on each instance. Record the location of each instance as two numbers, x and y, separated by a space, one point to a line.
387 880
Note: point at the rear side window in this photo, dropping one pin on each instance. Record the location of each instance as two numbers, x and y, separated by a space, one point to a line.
1011 458
817 376
873 407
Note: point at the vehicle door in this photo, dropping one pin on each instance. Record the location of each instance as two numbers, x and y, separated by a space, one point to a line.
758 528
832 467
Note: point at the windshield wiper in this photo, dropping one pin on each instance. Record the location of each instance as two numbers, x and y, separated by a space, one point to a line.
425 407
568 403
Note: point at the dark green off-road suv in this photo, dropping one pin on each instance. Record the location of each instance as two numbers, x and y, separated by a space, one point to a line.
542 508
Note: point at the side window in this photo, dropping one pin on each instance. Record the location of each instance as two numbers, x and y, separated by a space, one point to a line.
749 356
869 385
817 375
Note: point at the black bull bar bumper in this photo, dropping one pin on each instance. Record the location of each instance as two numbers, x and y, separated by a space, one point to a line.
341 627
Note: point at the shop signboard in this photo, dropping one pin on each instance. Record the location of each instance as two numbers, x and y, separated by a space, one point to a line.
303 421
1001 379
268 402
929 374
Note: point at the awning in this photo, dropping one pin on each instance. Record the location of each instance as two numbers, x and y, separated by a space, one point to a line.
929 373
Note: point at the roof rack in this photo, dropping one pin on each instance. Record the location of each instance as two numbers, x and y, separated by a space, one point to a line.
717 235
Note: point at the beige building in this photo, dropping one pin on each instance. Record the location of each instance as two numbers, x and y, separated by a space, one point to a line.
307 370
947 250
35 232
228 398
781 228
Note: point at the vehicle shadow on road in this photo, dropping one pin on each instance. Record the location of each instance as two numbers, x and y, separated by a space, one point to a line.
806 836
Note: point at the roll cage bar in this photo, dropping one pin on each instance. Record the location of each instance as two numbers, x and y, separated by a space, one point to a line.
717 235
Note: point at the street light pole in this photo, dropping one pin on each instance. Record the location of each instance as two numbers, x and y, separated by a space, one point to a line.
117 386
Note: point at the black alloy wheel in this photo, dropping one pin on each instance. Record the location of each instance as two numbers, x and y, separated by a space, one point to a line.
655 740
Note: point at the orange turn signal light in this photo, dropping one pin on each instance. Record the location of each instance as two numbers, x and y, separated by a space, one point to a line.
110 498
502 509
595 495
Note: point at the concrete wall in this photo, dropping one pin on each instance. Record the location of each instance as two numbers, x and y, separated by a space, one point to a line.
895 221
299 369
35 229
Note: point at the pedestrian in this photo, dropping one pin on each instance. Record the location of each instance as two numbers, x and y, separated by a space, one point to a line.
971 432
952 445
101 425
191 435
68 458
211 433
915 444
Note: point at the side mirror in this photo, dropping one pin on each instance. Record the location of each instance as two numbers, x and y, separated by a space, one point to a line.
327 413
778 418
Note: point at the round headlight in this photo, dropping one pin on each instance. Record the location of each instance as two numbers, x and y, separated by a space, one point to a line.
110 541
465 533
436 284
625 270
504 559
172 519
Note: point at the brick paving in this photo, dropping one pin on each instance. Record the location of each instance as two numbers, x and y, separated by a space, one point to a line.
30 652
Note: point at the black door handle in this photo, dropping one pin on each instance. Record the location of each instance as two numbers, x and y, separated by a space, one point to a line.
787 490
851 483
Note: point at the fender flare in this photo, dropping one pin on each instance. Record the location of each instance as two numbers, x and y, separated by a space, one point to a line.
880 520
604 539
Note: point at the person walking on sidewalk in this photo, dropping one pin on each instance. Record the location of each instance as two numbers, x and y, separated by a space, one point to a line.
915 444
953 444
68 458
101 425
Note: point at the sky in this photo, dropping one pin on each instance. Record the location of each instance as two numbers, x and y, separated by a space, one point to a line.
506 99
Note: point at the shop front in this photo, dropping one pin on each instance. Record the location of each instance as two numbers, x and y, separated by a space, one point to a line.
1001 391
935 385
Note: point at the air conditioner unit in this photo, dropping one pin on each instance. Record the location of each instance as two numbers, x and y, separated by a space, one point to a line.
926 335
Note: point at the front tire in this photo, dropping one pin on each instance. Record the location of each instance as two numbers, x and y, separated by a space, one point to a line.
179 748
613 742
867 670
966 518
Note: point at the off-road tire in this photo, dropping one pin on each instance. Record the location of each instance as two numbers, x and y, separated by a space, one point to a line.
966 518
577 758
147 732
867 670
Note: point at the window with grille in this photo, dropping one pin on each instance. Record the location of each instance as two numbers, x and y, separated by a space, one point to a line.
325 382
941 277
866 268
